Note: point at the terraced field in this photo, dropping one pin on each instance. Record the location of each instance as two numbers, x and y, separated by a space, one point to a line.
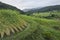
15 26
48 15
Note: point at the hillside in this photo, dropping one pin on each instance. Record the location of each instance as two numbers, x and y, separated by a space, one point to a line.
43 9
15 26
6 6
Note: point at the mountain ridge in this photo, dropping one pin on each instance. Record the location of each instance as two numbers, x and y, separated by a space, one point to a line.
44 9
7 6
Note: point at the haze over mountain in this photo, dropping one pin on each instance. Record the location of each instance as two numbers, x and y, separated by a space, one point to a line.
43 9
25 10
32 10
28 4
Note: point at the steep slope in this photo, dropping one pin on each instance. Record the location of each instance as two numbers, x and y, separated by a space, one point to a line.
11 23
6 6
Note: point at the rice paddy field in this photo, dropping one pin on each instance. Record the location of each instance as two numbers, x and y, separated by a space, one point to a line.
16 26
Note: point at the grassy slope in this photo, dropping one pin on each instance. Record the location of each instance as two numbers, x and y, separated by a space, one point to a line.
35 28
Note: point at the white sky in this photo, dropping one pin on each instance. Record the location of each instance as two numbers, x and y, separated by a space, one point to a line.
24 4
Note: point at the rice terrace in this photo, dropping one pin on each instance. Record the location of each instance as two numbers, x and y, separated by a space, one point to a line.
16 24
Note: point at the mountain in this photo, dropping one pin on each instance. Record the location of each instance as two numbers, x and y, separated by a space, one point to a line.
25 10
43 9
6 6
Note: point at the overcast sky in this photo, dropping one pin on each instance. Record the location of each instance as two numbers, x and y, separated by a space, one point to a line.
24 4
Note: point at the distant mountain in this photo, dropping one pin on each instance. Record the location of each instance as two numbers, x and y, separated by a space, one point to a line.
44 9
26 10
6 6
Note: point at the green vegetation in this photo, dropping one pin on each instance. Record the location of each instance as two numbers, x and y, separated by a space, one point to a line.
15 26
48 15
10 22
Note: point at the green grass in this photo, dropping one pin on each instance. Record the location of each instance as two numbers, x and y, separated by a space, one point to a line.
15 26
